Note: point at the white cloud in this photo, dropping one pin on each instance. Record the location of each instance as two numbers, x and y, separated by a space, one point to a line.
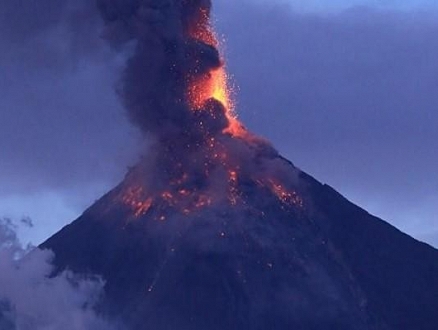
32 300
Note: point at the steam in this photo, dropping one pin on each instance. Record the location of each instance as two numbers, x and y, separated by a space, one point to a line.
30 300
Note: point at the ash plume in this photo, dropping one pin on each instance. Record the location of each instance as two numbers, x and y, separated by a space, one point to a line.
168 56
174 88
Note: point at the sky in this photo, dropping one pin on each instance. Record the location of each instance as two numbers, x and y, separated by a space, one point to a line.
345 89
325 6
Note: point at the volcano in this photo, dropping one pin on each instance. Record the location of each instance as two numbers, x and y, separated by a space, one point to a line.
214 229
273 260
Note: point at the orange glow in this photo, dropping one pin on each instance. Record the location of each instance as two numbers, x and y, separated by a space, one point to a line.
188 201
202 201
167 196
235 128
134 199
233 176
185 200
220 92
143 207
284 195
184 192
215 84
202 30
287 197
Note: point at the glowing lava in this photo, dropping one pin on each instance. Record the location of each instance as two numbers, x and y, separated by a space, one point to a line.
214 84
287 197
132 198
219 88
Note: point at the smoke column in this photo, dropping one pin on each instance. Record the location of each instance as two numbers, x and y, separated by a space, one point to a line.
170 85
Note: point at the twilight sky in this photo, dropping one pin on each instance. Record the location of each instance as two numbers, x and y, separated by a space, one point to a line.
334 5
347 91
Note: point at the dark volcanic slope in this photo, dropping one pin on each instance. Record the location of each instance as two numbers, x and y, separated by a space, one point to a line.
398 273
264 263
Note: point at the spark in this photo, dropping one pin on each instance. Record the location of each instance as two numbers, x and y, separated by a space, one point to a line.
214 85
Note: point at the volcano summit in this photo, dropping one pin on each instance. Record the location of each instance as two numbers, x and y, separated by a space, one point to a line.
214 229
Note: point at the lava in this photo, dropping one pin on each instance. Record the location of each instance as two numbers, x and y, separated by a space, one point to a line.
133 199
220 89
215 83
287 197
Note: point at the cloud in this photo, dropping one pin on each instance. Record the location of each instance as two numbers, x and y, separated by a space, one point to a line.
63 133
23 21
61 123
31 300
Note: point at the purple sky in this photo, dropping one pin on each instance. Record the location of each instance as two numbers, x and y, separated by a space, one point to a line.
349 97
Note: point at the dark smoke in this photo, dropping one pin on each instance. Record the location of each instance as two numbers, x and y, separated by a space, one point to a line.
166 58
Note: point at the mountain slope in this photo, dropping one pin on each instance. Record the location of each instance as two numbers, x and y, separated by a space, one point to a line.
264 263
398 273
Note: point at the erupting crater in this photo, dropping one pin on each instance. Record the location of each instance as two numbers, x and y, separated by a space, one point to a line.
209 162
